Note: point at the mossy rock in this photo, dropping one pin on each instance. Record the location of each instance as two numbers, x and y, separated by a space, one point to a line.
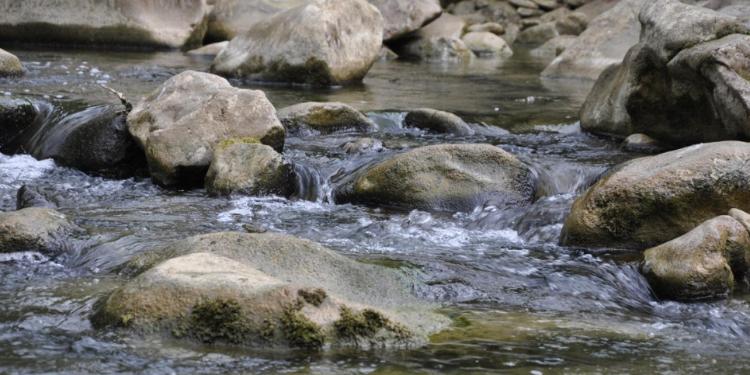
266 290
456 177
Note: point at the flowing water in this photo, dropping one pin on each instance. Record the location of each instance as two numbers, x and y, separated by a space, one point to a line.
521 303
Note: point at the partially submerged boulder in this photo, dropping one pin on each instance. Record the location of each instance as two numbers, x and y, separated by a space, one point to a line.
210 50
603 44
325 117
683 83
270 290
484 43
247 167
16 117
179 124
404 16
455 177
704 263
35 229
10 65
140 23
323 42
437 122
651 200
640 142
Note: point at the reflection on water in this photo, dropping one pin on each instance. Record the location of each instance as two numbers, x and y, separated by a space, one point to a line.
520 302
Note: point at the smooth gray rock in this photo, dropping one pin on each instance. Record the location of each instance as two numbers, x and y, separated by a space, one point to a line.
10 65
323 42
35 229
325 117
248 167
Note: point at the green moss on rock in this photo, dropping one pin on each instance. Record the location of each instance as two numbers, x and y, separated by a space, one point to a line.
217 320
366 324
300 331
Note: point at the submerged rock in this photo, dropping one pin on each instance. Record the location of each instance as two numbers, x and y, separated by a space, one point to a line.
404 16
437 122
702 264
553 47
603 44
142 23
456 177
212 49
326 117
29 197
35 229
10 65
651 200
363 145
683 83
484 43
641 143
179 124
270 290
248 167
324 42
230 18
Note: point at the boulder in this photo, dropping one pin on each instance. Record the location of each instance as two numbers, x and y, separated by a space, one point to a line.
139 23
484 43
179 124
404 16
268 290
247 167
683 83
16 116
323 42
10 65
35 229
230 18
440 40
94 140
603 44
437 121
326 117
701 264
455 177
538 34
651 200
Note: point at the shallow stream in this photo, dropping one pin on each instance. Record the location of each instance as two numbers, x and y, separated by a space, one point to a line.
521 303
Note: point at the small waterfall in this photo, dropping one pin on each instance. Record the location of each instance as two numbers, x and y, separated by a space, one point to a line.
311 184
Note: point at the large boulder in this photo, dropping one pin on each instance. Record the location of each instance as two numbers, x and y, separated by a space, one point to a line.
141 23
324 42
455 177
325 117
35 229
651 200
248 167
604 43
230 18
267 290
10 65
702 264
684 82
404 16
179 124
484 43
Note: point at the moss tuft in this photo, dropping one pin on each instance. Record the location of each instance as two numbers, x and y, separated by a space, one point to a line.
314 297
233 141
353 326
218 320
300 331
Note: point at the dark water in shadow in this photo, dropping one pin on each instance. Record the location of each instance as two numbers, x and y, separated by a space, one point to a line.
522 303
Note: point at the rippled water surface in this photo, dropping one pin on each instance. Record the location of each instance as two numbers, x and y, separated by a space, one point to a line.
521 303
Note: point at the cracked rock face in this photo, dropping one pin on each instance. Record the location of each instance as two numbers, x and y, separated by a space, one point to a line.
685 82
